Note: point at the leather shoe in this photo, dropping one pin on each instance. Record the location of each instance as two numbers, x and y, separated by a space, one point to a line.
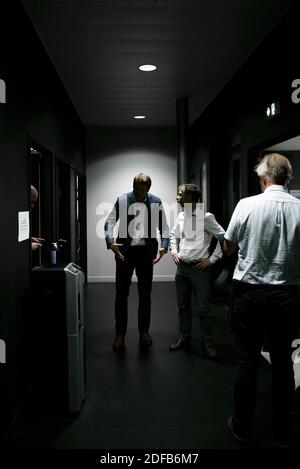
210 350
179 344
118 343
241 436
146 339
289 440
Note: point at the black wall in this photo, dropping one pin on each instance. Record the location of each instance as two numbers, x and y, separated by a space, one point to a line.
236 117
37 105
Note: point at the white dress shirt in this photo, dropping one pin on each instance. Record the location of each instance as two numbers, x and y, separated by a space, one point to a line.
266 227
137 239
192 246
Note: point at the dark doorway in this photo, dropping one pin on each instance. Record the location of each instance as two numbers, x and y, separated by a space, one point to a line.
62 199
290 148
225 187
42 213
59 214
78 218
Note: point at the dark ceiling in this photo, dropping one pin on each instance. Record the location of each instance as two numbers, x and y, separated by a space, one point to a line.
197 45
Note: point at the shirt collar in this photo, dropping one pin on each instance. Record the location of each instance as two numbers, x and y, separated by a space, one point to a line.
275 187
194 212
143 201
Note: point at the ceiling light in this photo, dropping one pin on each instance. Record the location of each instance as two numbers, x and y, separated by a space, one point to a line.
147 68
139 117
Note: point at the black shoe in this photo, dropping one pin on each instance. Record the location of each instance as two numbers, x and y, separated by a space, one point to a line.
146 339
241 437
287 441
210 351
283 444
179 344
118 343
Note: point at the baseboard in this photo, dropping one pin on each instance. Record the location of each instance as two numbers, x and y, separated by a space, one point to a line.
111 279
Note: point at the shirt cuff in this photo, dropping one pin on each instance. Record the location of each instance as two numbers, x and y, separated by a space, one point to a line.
227 237
109 242
213 259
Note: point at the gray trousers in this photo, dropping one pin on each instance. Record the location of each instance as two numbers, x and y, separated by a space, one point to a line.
190 281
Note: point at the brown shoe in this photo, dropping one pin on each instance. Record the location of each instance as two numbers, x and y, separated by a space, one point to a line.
118 343
179 344
146 339
209 350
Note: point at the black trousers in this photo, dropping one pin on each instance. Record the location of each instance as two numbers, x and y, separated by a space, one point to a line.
140 259
259 310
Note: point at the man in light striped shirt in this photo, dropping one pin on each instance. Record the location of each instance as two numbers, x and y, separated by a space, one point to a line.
266 231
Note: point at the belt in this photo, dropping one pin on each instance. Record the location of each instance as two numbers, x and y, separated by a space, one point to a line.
189 263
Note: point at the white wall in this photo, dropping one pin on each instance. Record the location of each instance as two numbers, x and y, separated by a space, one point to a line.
114 157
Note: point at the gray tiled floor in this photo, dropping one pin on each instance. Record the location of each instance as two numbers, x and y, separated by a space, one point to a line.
149 398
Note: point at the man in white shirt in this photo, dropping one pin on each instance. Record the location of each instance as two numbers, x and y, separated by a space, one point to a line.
189 243
266 231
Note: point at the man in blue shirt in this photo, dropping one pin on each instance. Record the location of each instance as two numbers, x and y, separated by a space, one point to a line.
136 248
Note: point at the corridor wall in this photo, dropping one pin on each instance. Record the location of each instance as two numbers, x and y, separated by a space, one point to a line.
114 157
37 105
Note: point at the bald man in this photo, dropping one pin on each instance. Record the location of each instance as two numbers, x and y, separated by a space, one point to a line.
35 242
34 195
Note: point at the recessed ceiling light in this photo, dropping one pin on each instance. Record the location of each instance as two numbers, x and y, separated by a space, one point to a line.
147 68
139 117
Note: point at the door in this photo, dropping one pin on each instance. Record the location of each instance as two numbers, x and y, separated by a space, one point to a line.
42 210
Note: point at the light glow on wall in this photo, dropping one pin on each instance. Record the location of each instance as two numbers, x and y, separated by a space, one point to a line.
108 177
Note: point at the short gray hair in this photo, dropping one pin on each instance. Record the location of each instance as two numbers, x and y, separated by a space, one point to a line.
276 168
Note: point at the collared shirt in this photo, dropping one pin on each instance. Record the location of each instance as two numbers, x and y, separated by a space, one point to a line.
123 212
137 239
195 247
266 227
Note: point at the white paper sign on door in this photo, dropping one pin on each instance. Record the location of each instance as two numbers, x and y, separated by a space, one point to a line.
23 226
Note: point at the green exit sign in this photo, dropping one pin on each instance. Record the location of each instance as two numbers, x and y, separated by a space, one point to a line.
272 110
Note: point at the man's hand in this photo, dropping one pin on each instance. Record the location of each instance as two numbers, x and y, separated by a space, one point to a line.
160 254
229 248
38 240
36 243
115 248
176 258
203 263
35 246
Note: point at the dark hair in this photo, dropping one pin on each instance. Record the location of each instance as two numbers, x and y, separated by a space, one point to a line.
142 178
191 189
